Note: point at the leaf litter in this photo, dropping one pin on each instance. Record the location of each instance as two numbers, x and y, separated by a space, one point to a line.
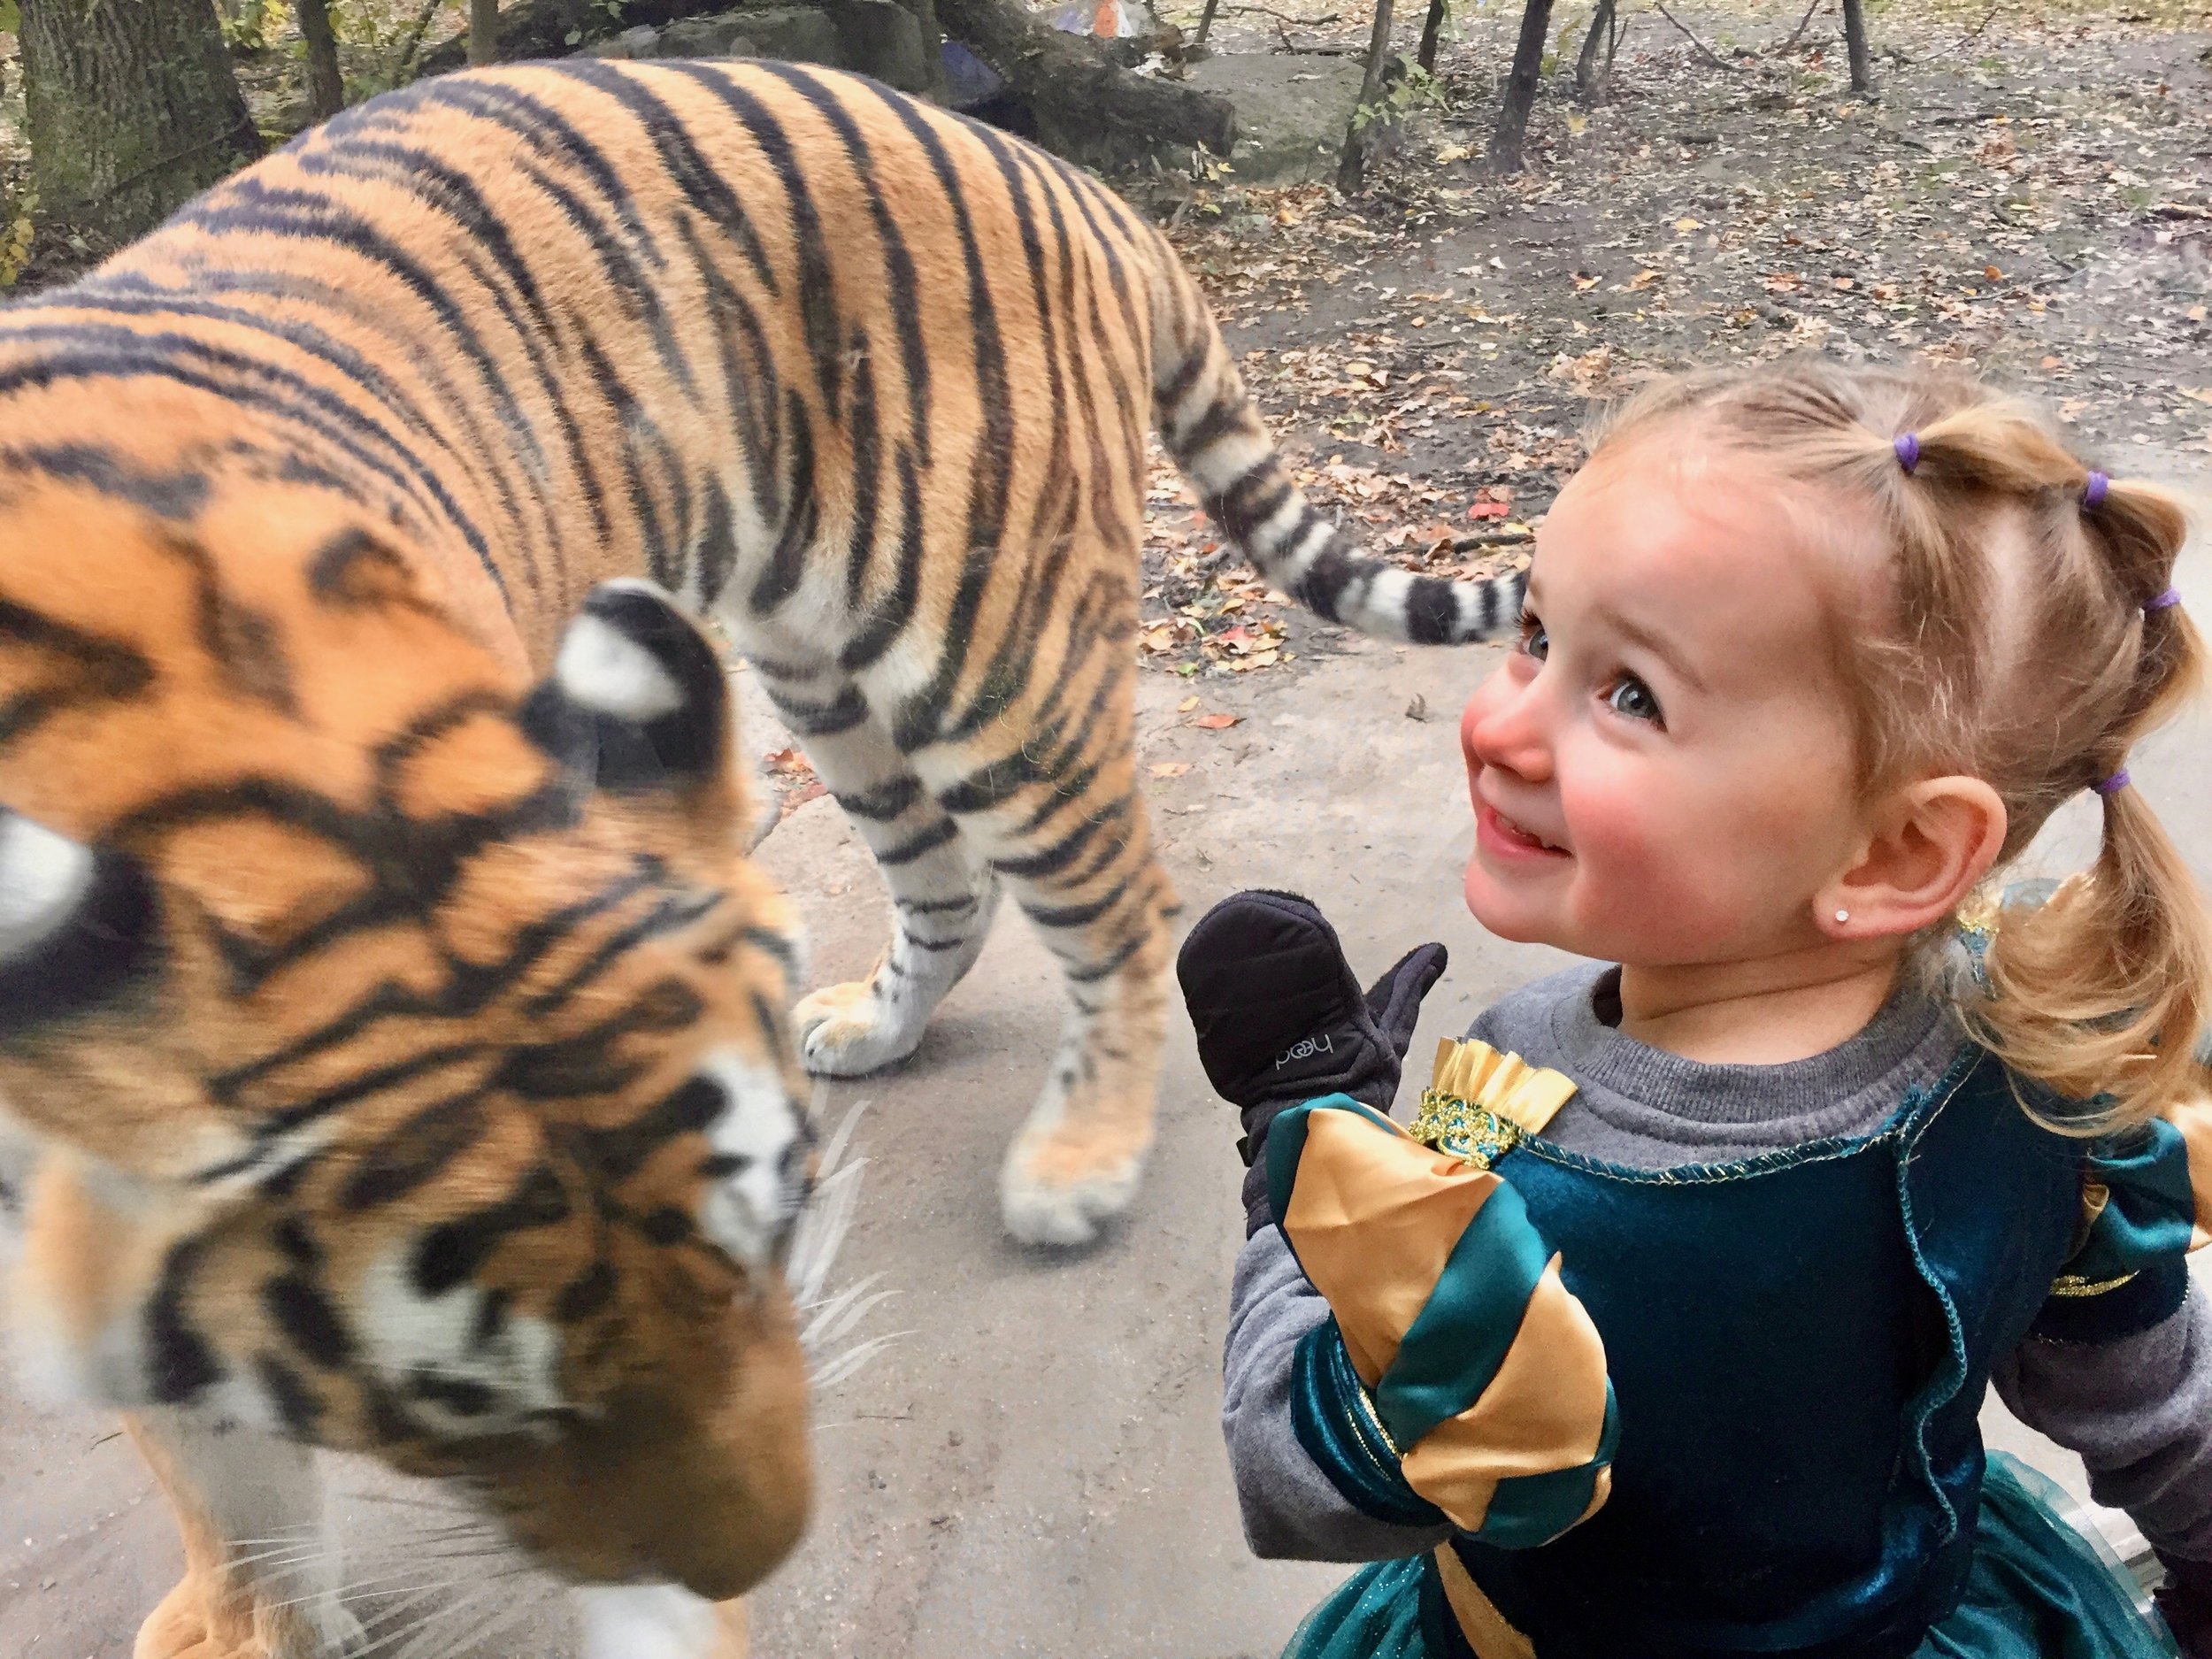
2030 192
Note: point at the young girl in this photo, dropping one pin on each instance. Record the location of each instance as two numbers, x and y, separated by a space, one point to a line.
1664 1333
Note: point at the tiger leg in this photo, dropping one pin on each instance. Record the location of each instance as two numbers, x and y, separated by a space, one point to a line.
1080 859
260 1573
942 898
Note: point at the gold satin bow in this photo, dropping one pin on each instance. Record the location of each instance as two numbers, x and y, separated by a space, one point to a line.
1479 1103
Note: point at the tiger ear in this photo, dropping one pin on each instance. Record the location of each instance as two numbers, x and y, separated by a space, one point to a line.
638 699
76 924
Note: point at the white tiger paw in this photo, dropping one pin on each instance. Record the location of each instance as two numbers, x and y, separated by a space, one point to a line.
1077 1163
848 1031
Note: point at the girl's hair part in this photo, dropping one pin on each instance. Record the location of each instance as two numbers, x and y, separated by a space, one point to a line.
2029 637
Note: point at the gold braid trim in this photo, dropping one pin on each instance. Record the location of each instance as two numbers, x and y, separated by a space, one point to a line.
1481 1104
2074 1285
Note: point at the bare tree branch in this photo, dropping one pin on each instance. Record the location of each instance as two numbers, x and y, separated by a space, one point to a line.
411 43
1703 50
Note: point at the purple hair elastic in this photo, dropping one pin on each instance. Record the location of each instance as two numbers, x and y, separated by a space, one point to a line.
2112 786
1908 448
2171 597
2092 493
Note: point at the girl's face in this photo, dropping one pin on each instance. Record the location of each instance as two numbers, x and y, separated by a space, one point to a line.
1663 773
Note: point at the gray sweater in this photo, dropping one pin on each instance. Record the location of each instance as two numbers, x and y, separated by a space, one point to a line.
2138 1410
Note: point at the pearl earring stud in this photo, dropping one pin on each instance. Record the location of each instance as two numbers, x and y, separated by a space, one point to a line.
1843 915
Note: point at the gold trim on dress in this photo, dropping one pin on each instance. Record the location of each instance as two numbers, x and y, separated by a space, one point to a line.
2074 1285
1481 1104
1479 1620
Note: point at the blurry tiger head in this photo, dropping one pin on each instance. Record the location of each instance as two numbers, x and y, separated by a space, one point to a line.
393 1049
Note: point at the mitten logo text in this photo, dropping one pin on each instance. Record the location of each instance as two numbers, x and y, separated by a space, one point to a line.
1304 1050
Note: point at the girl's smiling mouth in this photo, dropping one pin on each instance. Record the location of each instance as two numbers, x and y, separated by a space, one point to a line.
1500 835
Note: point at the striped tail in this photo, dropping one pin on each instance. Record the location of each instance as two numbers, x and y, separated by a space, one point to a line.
1207 421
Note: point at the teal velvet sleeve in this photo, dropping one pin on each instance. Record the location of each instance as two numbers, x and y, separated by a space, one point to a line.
1337 1425
2130 1271
1447 1361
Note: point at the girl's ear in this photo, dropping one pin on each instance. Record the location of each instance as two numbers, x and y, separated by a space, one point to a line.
1930 843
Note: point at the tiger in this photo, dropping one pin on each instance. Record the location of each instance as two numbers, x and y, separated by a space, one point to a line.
397 1044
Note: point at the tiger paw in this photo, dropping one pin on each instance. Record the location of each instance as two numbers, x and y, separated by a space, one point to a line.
1076 1162
850 1030
197 1620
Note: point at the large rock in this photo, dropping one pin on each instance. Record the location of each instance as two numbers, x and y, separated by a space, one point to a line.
883 39
641 41
800 33
1292 112
726 36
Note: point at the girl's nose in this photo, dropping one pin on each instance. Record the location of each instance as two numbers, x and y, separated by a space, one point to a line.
1504 725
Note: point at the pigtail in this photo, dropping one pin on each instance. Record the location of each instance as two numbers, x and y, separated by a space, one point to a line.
2103 995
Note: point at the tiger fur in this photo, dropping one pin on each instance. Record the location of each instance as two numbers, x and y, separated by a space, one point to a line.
371 853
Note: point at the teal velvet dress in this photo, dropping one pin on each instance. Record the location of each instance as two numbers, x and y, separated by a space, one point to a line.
1799 1345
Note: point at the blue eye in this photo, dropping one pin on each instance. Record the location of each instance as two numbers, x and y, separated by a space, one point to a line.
1630 697
1534 641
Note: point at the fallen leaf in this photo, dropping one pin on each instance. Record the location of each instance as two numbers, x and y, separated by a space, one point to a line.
1418 708
1187 705
1217 722
1687 225
1169 768
1992 273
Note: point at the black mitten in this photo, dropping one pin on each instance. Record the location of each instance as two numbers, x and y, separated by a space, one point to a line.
1281 1020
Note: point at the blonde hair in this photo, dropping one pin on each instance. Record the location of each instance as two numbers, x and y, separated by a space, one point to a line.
2036 673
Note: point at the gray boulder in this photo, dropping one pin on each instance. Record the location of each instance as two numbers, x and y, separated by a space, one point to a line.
883 39
799 34
705 37
641 41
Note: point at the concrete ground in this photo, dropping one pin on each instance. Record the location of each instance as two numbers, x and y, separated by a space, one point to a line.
1033 1467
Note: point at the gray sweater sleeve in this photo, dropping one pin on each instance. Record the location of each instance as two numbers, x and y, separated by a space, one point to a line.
2139 1410
1290 1509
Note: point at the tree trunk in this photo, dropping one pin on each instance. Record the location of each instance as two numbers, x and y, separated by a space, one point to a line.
1589 74
1087 108
1855 37
483 31
1351 171
326 87
1520 88
132 109
1432 30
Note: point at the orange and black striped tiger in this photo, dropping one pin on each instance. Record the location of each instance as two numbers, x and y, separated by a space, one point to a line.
392 1033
